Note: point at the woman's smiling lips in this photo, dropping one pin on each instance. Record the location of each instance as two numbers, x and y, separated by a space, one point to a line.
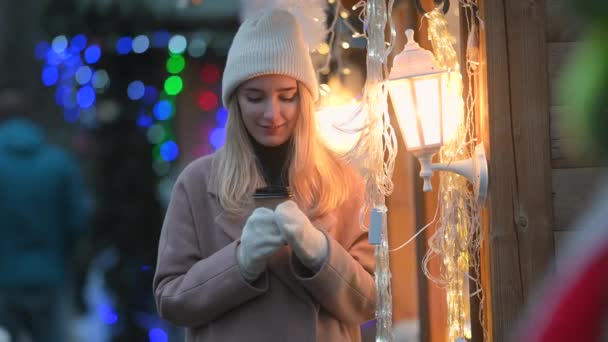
272 130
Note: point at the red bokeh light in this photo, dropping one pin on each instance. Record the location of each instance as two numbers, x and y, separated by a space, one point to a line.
207 100
210 73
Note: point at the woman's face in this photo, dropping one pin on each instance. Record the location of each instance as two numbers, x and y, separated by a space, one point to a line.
269 105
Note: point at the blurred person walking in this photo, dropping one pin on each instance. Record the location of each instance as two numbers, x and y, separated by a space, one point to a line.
42 212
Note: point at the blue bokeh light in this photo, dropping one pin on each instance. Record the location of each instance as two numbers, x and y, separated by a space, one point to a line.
163 110
85 97
42 50
221 116
217 137
158 335
150 95
72 60
178 44
92 54
123 45
59 44
78 42
160 39
107 315
140 44
136 90
52 58
50 75
100 79
83 75
169 151
144 120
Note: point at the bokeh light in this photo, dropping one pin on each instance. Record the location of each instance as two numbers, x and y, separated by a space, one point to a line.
85 97
158 335
217 137
124 45
50 75
136 90
150 95
155 134
163 110
177 44
207 100
140 44
83 75
197 47
173 85
175 64
169 151
92 54
59 44
221 116
78 42
107 315
100 79
144 120
160 39
52 58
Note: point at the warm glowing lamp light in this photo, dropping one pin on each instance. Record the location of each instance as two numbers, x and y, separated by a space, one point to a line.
340 125
419 92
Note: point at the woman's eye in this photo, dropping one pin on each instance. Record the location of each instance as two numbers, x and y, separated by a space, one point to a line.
288 99
254 99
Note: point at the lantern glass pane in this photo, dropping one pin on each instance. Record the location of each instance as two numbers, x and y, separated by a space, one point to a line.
405 111
453 105
428 95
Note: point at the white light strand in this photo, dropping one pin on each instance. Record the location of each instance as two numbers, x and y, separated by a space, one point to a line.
375 153
457 240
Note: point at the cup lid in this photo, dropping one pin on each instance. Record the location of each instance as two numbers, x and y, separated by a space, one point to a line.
273 192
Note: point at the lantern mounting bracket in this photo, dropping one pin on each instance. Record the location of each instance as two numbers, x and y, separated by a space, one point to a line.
475 169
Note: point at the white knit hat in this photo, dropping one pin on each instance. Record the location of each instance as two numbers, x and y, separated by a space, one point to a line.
271 43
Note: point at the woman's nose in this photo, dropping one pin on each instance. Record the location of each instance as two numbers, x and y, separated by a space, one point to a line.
272 109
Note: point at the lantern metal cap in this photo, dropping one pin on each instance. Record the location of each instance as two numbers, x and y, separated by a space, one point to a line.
413 61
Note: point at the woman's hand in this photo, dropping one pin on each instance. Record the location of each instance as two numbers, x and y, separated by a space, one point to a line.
308 243
261 237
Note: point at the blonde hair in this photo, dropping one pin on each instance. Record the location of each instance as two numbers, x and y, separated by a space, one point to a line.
317 176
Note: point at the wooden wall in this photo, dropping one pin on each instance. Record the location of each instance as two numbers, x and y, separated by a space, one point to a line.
538 185
575 173
515 127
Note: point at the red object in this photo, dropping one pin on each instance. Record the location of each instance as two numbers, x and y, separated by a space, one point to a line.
207 100
210 73
576 307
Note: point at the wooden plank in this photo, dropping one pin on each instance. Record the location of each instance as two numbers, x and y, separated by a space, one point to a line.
558 55
567 150
573 191
562 25
515 127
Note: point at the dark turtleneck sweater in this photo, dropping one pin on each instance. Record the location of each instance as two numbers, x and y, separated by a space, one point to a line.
273 162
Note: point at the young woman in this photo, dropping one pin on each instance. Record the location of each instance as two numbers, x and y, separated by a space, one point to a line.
231 272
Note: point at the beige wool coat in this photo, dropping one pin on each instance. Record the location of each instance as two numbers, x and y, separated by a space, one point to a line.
198 284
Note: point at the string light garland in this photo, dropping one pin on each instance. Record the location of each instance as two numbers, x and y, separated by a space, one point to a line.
457 240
